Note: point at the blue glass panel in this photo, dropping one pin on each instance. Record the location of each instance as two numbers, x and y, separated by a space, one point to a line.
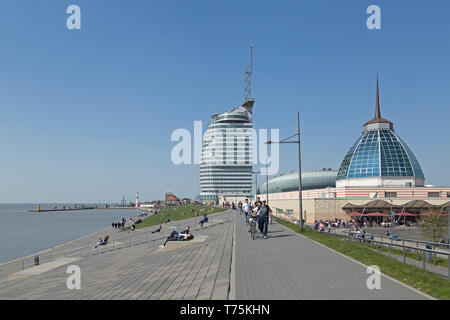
394 158
415 164
365 159
343 170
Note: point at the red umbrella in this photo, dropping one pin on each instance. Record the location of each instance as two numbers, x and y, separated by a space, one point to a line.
378 214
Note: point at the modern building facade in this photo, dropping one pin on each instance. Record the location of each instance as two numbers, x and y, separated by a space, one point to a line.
226 161
380 158
378 174
315 179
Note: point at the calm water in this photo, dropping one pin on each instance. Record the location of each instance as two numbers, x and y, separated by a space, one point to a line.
23 233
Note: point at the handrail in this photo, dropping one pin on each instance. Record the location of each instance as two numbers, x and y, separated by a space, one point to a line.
405 239
390 245
83 251
351 234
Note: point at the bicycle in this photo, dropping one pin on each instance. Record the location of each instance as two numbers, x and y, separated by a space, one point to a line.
253 230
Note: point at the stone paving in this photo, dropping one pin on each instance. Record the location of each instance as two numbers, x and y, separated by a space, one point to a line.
143 271
224 263
289 266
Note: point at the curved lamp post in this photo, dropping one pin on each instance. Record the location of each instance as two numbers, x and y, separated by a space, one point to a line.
300 207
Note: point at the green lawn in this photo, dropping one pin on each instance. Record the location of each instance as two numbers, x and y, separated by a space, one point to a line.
425 281
176 214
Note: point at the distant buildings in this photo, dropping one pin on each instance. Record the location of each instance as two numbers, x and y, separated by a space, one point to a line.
171 199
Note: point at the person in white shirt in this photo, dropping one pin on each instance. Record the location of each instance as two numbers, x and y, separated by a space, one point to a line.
247 208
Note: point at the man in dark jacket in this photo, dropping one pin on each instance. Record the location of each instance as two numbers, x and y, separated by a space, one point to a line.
263 221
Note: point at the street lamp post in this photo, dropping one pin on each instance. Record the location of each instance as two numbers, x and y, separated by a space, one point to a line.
256 182
267 185
300 205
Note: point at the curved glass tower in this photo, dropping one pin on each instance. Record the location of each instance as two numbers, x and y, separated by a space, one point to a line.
380 158
226 160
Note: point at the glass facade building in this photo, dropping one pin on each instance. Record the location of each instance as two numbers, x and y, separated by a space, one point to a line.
380 153
314 179
226 161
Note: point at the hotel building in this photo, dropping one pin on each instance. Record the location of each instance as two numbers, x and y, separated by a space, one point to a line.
226 161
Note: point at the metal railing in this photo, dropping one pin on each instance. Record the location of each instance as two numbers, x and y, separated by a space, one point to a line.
279 213
390 238
420 253
122 241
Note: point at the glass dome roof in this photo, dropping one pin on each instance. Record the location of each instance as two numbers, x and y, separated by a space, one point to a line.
379 152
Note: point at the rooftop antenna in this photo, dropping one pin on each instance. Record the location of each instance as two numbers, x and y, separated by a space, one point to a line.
248 77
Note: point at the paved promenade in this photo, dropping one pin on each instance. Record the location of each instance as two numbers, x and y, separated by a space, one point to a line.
195 270
290 266
222 263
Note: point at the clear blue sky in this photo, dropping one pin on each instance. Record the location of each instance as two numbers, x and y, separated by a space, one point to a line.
87 115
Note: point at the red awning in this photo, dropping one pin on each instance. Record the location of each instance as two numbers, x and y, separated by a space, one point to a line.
377 214
355 214
406 214
433 213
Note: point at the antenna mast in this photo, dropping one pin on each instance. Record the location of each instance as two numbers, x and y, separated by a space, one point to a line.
248 77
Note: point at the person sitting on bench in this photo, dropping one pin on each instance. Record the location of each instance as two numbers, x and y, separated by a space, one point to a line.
99 242
205 219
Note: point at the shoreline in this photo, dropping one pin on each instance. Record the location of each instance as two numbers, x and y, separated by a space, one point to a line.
55 247
44 251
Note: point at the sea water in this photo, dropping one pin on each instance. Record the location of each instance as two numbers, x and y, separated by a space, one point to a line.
23 233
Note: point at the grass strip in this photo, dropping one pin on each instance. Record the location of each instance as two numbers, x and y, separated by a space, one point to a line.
177 214
423 280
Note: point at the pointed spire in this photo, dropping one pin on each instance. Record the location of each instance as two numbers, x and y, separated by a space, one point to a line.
378 118
377 107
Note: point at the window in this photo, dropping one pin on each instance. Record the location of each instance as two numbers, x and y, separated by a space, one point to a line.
289 211
433 194
448 194
390 194
279 210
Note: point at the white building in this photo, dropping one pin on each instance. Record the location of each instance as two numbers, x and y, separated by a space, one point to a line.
227 155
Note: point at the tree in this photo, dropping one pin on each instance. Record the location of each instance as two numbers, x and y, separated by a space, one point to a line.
433 226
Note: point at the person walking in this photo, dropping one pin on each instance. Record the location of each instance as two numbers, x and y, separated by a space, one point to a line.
258 202
240 207
263 218
247 208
